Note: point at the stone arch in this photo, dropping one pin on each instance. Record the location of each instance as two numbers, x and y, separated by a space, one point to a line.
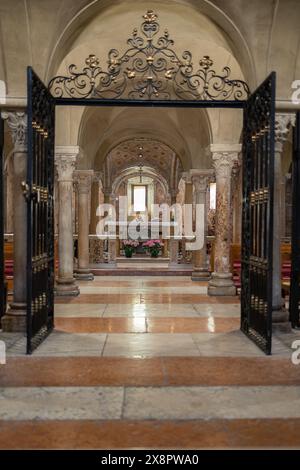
226 30
147 172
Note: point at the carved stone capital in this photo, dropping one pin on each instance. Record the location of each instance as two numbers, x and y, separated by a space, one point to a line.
200 183
83 180
223 163
186 177
17 123
65 166
283 123
97 177
65 161
201 179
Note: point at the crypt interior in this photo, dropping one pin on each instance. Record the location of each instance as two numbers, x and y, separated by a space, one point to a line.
147 349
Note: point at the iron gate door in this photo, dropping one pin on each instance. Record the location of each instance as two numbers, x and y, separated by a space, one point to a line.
257 220
295 273
2 279
40 215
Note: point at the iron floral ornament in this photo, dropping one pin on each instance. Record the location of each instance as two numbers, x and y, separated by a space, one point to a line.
149 69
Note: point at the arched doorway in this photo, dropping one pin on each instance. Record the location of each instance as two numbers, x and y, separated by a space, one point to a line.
136 82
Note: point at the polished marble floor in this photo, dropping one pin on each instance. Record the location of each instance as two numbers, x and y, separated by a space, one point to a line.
144 362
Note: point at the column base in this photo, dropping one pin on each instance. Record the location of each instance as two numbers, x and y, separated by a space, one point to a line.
280 320
14 321
83 275
66 287
200 275
221 284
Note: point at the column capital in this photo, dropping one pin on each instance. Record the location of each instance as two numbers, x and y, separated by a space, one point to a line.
83 180
97 177
65 162
201 179
283 123
186 177
224 157
17 123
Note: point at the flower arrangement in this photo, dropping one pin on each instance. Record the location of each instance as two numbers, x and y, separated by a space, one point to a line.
153 247
129 247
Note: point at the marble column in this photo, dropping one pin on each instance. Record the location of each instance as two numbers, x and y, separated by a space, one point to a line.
95 201
15 318
224 157
173 243
188 199
200 181
9 191
110 198
283 123
83 182
96 245
237 203
65 160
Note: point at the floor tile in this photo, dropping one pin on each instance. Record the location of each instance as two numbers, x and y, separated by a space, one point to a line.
81 310
60 403
192 325
212 402
121 371
81 371
69 344
134 298
101 325
10 339
217 310
153 310
233 343
150 345
108 289
220 370
115 434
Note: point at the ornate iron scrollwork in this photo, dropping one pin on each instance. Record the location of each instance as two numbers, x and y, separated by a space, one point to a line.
149 70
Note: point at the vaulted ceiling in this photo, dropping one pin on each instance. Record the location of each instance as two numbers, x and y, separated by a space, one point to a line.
147 153
262 36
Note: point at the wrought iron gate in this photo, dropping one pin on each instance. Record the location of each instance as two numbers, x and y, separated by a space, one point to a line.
2 279
257 224
40 217
295 273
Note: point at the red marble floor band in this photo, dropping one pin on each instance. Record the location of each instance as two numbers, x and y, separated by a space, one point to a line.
198 434
146 299
142 271
149 325
171 282
100 325
177 371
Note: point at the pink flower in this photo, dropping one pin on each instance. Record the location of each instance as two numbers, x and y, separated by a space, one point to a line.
153 244
132 243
